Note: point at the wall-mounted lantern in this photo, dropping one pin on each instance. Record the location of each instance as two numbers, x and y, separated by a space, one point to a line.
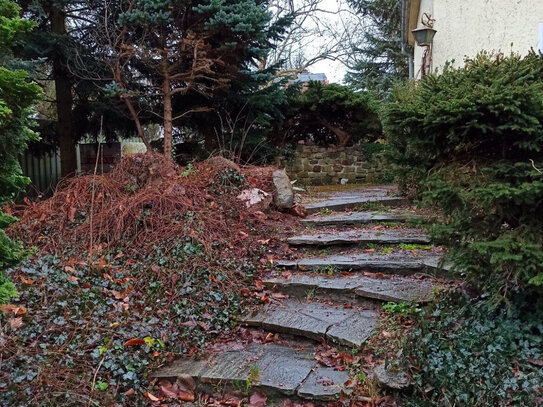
424 36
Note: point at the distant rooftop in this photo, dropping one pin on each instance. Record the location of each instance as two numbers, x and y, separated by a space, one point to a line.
308 77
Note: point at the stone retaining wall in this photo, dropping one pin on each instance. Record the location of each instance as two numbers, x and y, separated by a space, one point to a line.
313 165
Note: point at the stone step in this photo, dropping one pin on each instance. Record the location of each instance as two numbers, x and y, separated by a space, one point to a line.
403 263
315 320
357 218
340 203
277 370
385 288
361 236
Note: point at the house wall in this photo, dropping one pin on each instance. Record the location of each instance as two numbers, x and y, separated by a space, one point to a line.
465 28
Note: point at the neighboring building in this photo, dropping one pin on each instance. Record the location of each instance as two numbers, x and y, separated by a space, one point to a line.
464 28
305 77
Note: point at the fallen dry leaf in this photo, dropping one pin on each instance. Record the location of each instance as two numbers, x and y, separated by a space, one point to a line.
16 310
168 389
134 341
27 281
186 382
257 399
537 362
15 323
151 397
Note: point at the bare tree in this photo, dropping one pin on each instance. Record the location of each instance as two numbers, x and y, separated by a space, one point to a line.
317 33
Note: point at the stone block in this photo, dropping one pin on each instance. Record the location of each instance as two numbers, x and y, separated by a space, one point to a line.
347 170
347 161
337 167
313 161
317 168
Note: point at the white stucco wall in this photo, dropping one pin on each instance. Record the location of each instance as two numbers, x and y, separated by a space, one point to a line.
466 27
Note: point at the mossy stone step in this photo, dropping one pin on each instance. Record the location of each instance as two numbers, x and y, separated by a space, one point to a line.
315 320
341 203
402 263
358 218
277 370
360 236
385 288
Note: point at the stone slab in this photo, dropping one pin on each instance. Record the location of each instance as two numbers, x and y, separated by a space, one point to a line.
397 263
316 320
361 236
357 218
354 331
294 318
341 203
323 384
280 369
388 288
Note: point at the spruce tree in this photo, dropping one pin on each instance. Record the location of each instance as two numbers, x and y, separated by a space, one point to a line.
165 54
380 62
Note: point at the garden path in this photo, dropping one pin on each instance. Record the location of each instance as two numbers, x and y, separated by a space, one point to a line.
356 252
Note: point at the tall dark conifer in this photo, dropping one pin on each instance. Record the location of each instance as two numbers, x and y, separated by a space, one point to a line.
380 58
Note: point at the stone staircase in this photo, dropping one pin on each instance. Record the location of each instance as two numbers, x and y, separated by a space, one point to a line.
316 302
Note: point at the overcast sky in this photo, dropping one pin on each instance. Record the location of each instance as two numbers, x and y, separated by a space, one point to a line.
335 70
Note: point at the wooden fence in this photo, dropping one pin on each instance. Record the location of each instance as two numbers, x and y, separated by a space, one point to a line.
43 171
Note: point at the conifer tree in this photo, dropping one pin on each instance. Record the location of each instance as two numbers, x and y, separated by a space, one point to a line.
380 59
163 53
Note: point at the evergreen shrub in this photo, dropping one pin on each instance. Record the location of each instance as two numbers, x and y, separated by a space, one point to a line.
470 142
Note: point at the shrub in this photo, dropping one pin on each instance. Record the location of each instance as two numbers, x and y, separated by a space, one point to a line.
17 95
470 142
332 113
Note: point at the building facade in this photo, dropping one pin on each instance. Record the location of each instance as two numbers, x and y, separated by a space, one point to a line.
465 28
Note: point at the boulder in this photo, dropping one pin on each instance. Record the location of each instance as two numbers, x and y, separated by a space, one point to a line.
390 379
283 194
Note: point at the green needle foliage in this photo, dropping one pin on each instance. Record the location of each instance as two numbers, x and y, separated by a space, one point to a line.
379 60
332 113
17 95
470 141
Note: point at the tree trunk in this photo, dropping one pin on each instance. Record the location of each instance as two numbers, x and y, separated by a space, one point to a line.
343 137
210 137
168 125
136 119
64 99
